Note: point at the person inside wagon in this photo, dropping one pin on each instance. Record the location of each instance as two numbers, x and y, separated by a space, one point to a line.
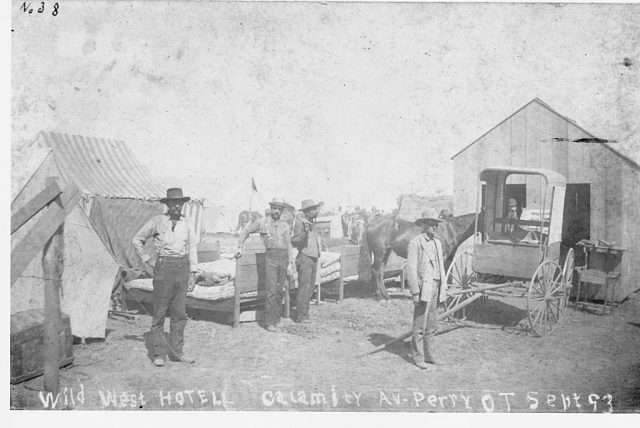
512 214
515 232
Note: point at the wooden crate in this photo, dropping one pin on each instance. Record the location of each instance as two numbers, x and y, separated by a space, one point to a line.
27 347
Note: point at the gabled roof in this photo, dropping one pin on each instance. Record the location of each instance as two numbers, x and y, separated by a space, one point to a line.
101 167
546 106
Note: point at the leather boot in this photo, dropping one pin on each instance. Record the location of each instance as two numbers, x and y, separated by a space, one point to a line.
428 350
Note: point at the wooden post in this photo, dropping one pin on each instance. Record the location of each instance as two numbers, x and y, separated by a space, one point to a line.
341 283
236 297
52 262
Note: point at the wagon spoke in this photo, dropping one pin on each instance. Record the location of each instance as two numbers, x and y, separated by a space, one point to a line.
551 311
543 285
537 289
540 306
537 309
558 287
539 319
461 277
557 278
545 298
535 321
546 317
455 265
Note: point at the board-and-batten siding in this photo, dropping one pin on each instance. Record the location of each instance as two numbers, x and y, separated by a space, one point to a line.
526 140
630 230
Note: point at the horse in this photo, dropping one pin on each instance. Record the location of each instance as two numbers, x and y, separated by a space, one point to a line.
385 234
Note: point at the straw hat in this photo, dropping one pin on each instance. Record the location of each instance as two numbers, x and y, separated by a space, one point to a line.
429 215
280 202
513 202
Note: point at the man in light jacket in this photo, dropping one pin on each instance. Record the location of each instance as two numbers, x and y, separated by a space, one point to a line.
427 283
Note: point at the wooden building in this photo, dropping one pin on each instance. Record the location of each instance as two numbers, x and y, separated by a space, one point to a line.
603 186
411 206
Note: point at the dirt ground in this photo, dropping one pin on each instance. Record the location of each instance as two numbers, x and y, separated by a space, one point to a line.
487 363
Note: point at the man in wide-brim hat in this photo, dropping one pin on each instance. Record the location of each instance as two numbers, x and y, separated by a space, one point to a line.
177 257
512 214
306 239
276 234
427 283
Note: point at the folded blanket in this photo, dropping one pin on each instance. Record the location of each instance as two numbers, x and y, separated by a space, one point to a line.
209 279
223 268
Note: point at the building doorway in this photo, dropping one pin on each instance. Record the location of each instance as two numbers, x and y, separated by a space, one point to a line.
576 222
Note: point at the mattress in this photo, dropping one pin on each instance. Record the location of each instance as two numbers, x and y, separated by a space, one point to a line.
218 292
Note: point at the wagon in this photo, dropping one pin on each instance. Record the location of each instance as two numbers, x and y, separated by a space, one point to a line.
521 251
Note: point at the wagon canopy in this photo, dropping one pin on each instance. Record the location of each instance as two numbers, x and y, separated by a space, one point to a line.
553 178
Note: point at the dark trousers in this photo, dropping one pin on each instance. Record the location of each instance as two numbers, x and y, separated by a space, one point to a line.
276 262
170 283
306 267
423 333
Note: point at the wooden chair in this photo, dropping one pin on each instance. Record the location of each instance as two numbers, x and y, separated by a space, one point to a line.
601 268
599 278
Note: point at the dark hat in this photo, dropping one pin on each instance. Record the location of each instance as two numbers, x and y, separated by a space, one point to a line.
308 204
175 194
429 215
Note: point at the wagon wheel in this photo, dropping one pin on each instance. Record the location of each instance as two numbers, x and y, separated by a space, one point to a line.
460 276
567 271
547 298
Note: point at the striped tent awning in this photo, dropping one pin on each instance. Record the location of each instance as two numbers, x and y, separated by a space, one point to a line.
101 167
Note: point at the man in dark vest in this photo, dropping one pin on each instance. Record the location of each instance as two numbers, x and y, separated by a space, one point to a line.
276 234
306 239
177 257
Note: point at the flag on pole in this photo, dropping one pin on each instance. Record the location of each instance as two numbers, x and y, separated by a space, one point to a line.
253 185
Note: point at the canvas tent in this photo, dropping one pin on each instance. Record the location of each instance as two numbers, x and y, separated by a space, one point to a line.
119 194
215 219
89 267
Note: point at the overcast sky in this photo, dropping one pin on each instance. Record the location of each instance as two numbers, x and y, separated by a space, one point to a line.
348 103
